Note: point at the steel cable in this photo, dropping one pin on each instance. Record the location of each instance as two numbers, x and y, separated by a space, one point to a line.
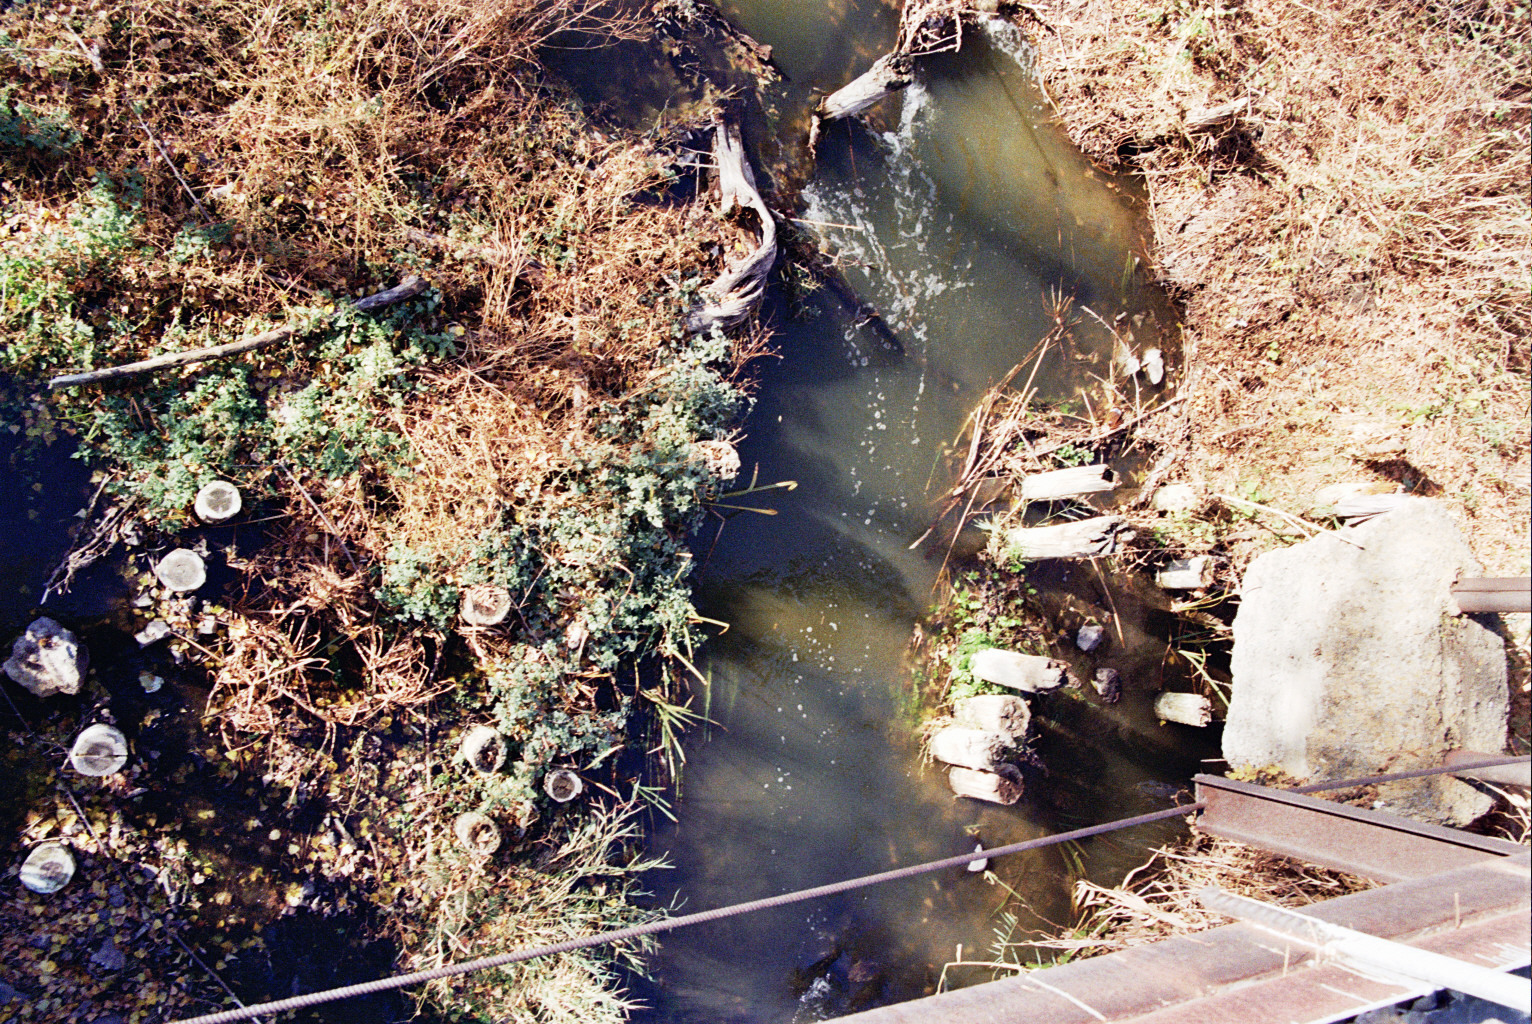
766 903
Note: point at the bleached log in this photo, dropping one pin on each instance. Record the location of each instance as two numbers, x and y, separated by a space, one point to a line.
1186 574
1083 538
969 748
1073 482
994 712
731 299
981 785
1208 120
1185 708
407 289
1029 673
888 74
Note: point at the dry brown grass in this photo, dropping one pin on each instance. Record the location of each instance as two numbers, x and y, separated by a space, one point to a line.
1351 253
1164 903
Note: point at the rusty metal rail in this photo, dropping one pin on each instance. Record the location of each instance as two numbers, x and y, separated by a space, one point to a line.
1450 893
1373 844
1494 594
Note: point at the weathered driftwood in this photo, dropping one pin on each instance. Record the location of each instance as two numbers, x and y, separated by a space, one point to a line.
1185 708
407 289
731 299
1186 573
1073 482
1083 538
994 712
1029 673
1211 120
888 74
970 748
981 785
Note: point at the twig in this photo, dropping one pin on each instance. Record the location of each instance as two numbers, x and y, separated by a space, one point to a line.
85 554
1103 435
172 165
1309 529
407 289
328 525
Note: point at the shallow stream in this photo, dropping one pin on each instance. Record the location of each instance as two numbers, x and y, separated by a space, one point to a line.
960 217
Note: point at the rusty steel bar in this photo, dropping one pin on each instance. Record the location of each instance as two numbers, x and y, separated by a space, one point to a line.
1494 594
1373 844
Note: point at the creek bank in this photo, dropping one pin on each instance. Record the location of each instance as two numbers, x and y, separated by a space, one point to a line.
534 425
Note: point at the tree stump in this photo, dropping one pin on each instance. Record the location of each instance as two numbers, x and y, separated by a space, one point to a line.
485 604
994 712
969 748
994 787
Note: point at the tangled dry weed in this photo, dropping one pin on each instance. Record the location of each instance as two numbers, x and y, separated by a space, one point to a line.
1339 197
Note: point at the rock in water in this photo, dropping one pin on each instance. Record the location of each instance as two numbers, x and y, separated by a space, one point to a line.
1090 636
48 659
1108 683
1349 661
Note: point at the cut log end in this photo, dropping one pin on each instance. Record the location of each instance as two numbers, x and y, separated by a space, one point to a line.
992 787
1184 708
1029 673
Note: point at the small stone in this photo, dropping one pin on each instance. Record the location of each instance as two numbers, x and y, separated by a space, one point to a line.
150 682
109 957
976 866
1108 683
182 571
1090 636
1176 498
143 601
1154 366
155 631
48 659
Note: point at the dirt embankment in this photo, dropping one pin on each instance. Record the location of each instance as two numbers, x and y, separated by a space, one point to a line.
1339 200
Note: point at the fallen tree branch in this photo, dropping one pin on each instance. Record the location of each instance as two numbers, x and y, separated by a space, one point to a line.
733 297
406 289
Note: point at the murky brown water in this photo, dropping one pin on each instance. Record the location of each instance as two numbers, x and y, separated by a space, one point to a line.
957 214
